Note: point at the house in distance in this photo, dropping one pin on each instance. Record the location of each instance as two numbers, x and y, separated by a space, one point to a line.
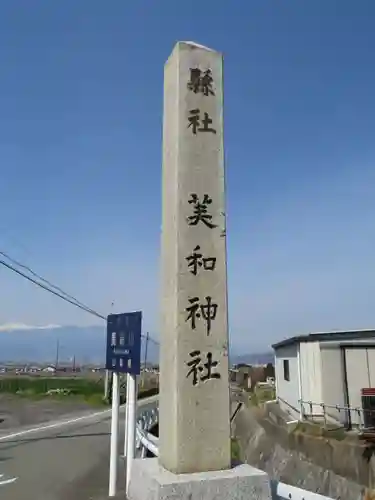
328 375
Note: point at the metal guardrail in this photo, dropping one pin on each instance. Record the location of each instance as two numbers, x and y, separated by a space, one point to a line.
327 416
147 419
281 491
146 441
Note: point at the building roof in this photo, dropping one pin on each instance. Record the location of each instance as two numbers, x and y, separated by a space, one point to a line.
327 336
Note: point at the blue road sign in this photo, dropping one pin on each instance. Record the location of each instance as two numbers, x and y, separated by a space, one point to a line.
124 342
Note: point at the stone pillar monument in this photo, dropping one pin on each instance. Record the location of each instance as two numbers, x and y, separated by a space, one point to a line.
194 428
194 404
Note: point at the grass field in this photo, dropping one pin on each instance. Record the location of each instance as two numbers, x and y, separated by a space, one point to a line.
90 389
262 395
40 385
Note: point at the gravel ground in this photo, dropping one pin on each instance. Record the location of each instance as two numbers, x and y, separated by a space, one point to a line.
16 411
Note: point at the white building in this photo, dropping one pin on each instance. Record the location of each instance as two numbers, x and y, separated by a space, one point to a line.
49 369
329 369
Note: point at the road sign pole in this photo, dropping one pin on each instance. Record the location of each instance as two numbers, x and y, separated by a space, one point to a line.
114 435
123 355
132 405
126 414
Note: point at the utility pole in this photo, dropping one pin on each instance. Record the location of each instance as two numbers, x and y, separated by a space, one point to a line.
108 375
57 353
143 378
146 347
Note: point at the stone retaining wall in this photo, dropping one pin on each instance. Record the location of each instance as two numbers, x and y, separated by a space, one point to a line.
333 468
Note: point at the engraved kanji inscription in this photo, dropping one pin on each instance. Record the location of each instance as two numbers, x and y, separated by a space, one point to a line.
201 82
196 261
201 371
197 310
200 211
200 122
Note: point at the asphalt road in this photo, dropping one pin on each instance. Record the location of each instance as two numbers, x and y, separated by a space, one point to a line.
57 462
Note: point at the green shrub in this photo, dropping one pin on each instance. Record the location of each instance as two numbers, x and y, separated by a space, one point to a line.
235 449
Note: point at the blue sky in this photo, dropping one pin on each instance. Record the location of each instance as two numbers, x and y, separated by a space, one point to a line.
80 157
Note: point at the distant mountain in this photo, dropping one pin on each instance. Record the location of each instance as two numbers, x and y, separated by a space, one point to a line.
253 359
87 343
39 345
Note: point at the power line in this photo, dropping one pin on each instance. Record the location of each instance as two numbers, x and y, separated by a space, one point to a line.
73 302
152 340
59 293
27 268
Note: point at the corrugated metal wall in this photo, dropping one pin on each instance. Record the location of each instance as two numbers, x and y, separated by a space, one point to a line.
311 376
360 369
360 373
333 381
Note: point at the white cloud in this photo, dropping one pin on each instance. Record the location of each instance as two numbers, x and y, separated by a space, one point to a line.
8 327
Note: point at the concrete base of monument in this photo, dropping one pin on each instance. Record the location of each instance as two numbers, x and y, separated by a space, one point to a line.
150 481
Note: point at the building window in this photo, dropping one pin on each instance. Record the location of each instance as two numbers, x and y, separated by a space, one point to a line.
286 369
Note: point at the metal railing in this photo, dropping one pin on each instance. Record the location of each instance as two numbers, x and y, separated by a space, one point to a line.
281 491
145 441
326 412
